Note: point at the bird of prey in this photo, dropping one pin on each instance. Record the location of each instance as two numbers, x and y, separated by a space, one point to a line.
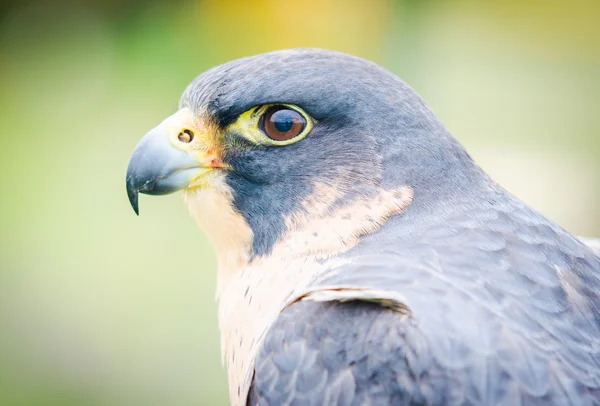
363 257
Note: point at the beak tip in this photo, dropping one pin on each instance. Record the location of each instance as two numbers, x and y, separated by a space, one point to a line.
133 195
135 206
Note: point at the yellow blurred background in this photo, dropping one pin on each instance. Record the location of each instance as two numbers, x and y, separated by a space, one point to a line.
100 307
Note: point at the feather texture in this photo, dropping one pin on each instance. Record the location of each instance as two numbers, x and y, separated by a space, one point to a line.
505 310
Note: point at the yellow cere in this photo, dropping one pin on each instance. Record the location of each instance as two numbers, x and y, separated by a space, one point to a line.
247 125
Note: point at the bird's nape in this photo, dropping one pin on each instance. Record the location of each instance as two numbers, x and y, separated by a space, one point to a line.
364 258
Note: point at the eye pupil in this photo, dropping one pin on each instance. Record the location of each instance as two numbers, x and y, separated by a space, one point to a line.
281 123
283 120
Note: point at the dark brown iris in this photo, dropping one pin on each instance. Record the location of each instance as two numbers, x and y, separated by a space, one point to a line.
282 123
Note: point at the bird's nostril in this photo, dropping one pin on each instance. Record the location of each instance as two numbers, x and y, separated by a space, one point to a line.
186 136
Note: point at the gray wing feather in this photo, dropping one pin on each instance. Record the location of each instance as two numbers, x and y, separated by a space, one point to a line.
505 311
338 354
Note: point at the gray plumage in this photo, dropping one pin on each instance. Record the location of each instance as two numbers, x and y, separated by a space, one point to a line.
500 305
373 131
505 311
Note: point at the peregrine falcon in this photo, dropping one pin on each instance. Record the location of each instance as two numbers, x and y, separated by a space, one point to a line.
363 257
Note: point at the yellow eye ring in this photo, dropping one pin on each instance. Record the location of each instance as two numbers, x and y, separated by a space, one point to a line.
273 124
281 123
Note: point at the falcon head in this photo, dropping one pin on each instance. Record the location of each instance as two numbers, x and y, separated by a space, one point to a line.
304 150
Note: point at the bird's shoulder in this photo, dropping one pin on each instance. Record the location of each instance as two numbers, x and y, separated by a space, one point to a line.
504 305
338 353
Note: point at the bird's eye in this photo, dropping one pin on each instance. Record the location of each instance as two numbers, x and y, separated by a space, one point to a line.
282 123
275 125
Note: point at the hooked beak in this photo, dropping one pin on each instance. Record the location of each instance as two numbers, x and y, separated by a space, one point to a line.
168 158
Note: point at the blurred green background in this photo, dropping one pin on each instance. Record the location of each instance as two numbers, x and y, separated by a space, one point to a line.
100 307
